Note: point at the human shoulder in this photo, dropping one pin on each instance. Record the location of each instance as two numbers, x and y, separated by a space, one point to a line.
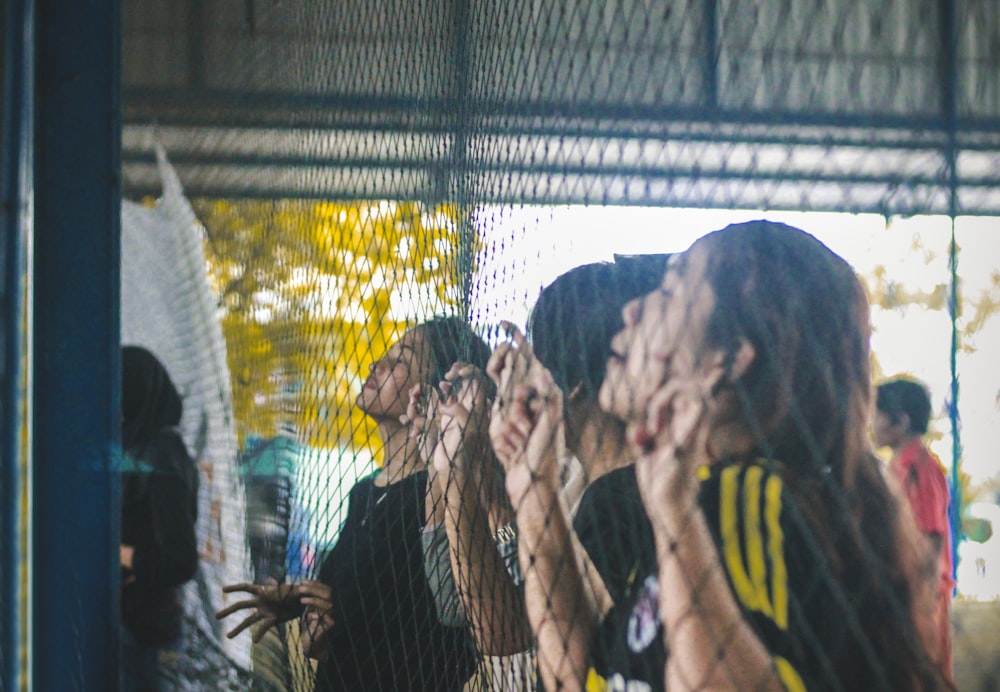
931 463
620 482
167 453
613 494
917 465
730 477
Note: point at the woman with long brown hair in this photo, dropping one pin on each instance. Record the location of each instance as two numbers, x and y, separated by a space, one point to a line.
784 560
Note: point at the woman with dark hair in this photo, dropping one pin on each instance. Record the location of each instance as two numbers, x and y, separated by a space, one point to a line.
369 617
609 521
783 558
159 509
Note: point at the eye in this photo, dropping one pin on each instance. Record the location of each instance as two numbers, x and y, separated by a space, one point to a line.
397 362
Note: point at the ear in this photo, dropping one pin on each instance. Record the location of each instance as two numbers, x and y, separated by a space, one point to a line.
903 423
726 367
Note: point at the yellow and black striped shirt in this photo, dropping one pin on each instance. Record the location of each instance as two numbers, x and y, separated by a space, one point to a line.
778 575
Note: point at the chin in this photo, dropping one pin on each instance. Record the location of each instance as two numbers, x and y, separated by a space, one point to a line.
360 403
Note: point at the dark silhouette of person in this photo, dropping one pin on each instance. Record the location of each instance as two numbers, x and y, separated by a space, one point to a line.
159 510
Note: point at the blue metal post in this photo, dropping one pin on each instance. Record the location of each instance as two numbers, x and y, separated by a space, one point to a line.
15 194
76 417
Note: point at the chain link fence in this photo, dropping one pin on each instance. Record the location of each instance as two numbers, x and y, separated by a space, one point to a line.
357 170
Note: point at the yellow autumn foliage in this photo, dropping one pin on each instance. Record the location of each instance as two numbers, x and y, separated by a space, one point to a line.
312 292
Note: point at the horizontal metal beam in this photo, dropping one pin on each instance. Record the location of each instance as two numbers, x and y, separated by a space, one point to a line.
828 193
190 164
225 108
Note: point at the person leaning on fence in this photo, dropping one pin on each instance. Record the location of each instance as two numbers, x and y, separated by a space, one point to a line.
578 348
902 415
469 538
159 507
369 618
783 559
570 331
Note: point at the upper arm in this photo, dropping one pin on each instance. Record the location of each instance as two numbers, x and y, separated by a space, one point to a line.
927 491
170 552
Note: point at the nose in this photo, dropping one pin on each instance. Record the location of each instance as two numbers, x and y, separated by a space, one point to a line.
632 312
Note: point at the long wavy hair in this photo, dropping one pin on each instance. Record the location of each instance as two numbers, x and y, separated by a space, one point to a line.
807 398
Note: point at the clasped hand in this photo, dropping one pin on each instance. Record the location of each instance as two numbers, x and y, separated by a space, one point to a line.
526 425
450 420
673 440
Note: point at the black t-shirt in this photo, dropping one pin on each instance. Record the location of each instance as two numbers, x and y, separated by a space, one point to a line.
781 580
612 526
387 635
159 510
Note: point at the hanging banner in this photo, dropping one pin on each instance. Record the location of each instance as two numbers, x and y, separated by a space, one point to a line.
168 307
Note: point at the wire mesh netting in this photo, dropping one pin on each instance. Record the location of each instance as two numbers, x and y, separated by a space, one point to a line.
458 427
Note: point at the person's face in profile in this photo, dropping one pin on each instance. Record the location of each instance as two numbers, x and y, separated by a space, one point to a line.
663 336
885 431
386 391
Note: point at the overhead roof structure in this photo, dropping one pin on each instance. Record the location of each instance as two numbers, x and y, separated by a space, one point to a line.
890 107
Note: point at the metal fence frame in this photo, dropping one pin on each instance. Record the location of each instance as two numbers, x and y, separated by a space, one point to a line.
61 186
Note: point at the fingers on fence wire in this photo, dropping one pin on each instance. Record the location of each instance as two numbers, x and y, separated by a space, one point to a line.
464 395
265 623
421 417
509 362
466 384
239 605
272 604
414 412
314 594
676 413
244 587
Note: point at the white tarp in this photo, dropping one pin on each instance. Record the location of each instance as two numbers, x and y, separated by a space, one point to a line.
168 307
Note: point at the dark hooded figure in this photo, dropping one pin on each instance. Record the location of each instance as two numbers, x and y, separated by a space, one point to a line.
159 508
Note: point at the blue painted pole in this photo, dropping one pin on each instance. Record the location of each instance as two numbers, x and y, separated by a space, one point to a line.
15 224
949 107
76 416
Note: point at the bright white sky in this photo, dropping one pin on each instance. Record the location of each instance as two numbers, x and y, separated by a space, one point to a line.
528 247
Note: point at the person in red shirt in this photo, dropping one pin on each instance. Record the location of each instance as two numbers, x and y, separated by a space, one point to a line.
902 413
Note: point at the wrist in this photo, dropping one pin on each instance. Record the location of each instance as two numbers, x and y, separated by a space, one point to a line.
671 501
530 495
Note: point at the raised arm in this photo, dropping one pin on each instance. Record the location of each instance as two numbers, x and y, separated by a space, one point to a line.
527 433
711 645
476 508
